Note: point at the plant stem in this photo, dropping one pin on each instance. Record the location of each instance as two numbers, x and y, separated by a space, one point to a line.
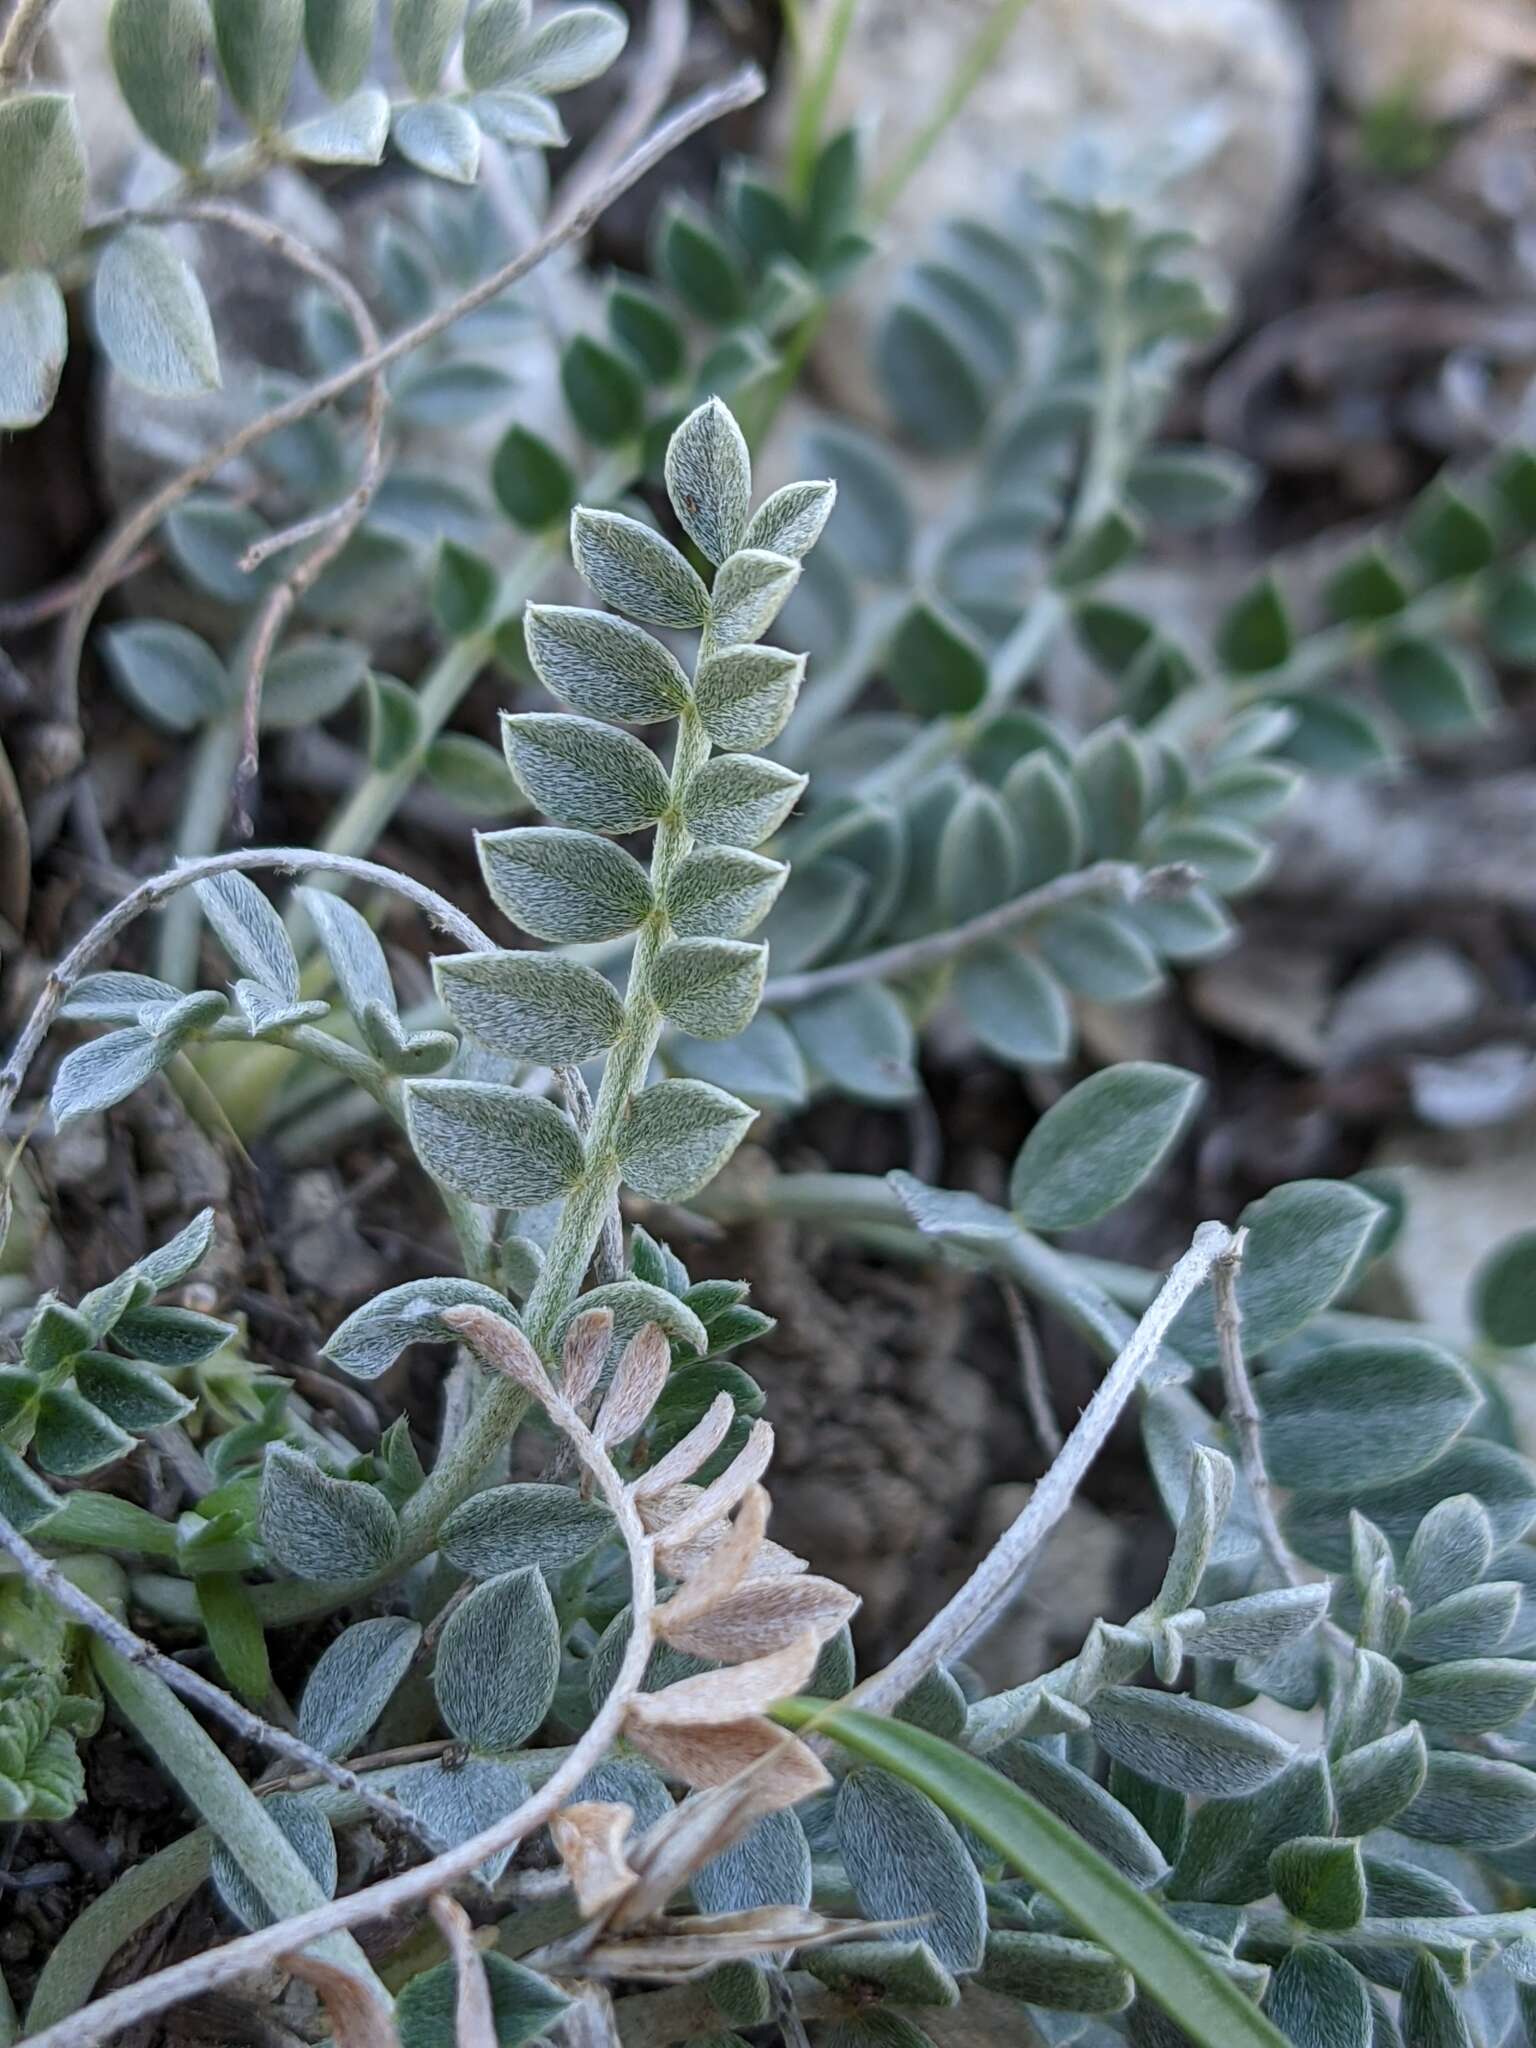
590 1201
1242 1409
976 60
987 1591
23 33
1117 878
205 806
215 1789
1099 485
813 92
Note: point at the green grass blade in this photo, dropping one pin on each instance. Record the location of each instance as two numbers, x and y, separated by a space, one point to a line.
1164 1961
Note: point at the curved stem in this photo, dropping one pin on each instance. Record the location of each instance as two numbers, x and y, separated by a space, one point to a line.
23 33
222 1798
739 91
158 889
204 807
1105 878
980 1600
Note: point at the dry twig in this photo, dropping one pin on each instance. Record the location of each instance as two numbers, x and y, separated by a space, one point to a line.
149 895
133 1649
996 1578
740 91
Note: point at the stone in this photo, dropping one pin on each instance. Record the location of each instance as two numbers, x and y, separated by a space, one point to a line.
1205 105
1448 59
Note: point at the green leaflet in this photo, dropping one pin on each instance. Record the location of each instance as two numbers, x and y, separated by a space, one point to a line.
1162 1958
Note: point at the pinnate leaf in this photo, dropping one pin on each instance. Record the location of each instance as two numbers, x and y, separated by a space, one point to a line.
722 891
354 1680
162 54
602 666
568 887
709 987
373 1336
151 316
677 1136
709 479
906 1861
34 341
635 570
745 694
585 774
509 1528
320 1527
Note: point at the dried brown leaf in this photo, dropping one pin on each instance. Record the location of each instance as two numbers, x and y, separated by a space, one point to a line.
588 2021
501 1344
701 1941
582 1354
590 1837
717 1499
474 2023
358 2018
714 1753
722 1570
759 1618
729 1695
743 1771
689 1452
637 1381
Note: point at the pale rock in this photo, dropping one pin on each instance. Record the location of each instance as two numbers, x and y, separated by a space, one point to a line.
1447 58
1202 107
1465 1193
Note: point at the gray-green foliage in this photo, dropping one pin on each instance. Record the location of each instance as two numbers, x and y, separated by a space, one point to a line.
92 1378
1045 346
1316 1870
172 61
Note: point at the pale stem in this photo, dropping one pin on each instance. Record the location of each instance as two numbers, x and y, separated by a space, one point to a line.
996 1579
1118 878
18 46
739 91
1032 1380
1242 1409
133 1649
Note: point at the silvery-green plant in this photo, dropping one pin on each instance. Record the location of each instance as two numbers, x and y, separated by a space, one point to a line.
463 541
180 66
1113 1850
975 844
